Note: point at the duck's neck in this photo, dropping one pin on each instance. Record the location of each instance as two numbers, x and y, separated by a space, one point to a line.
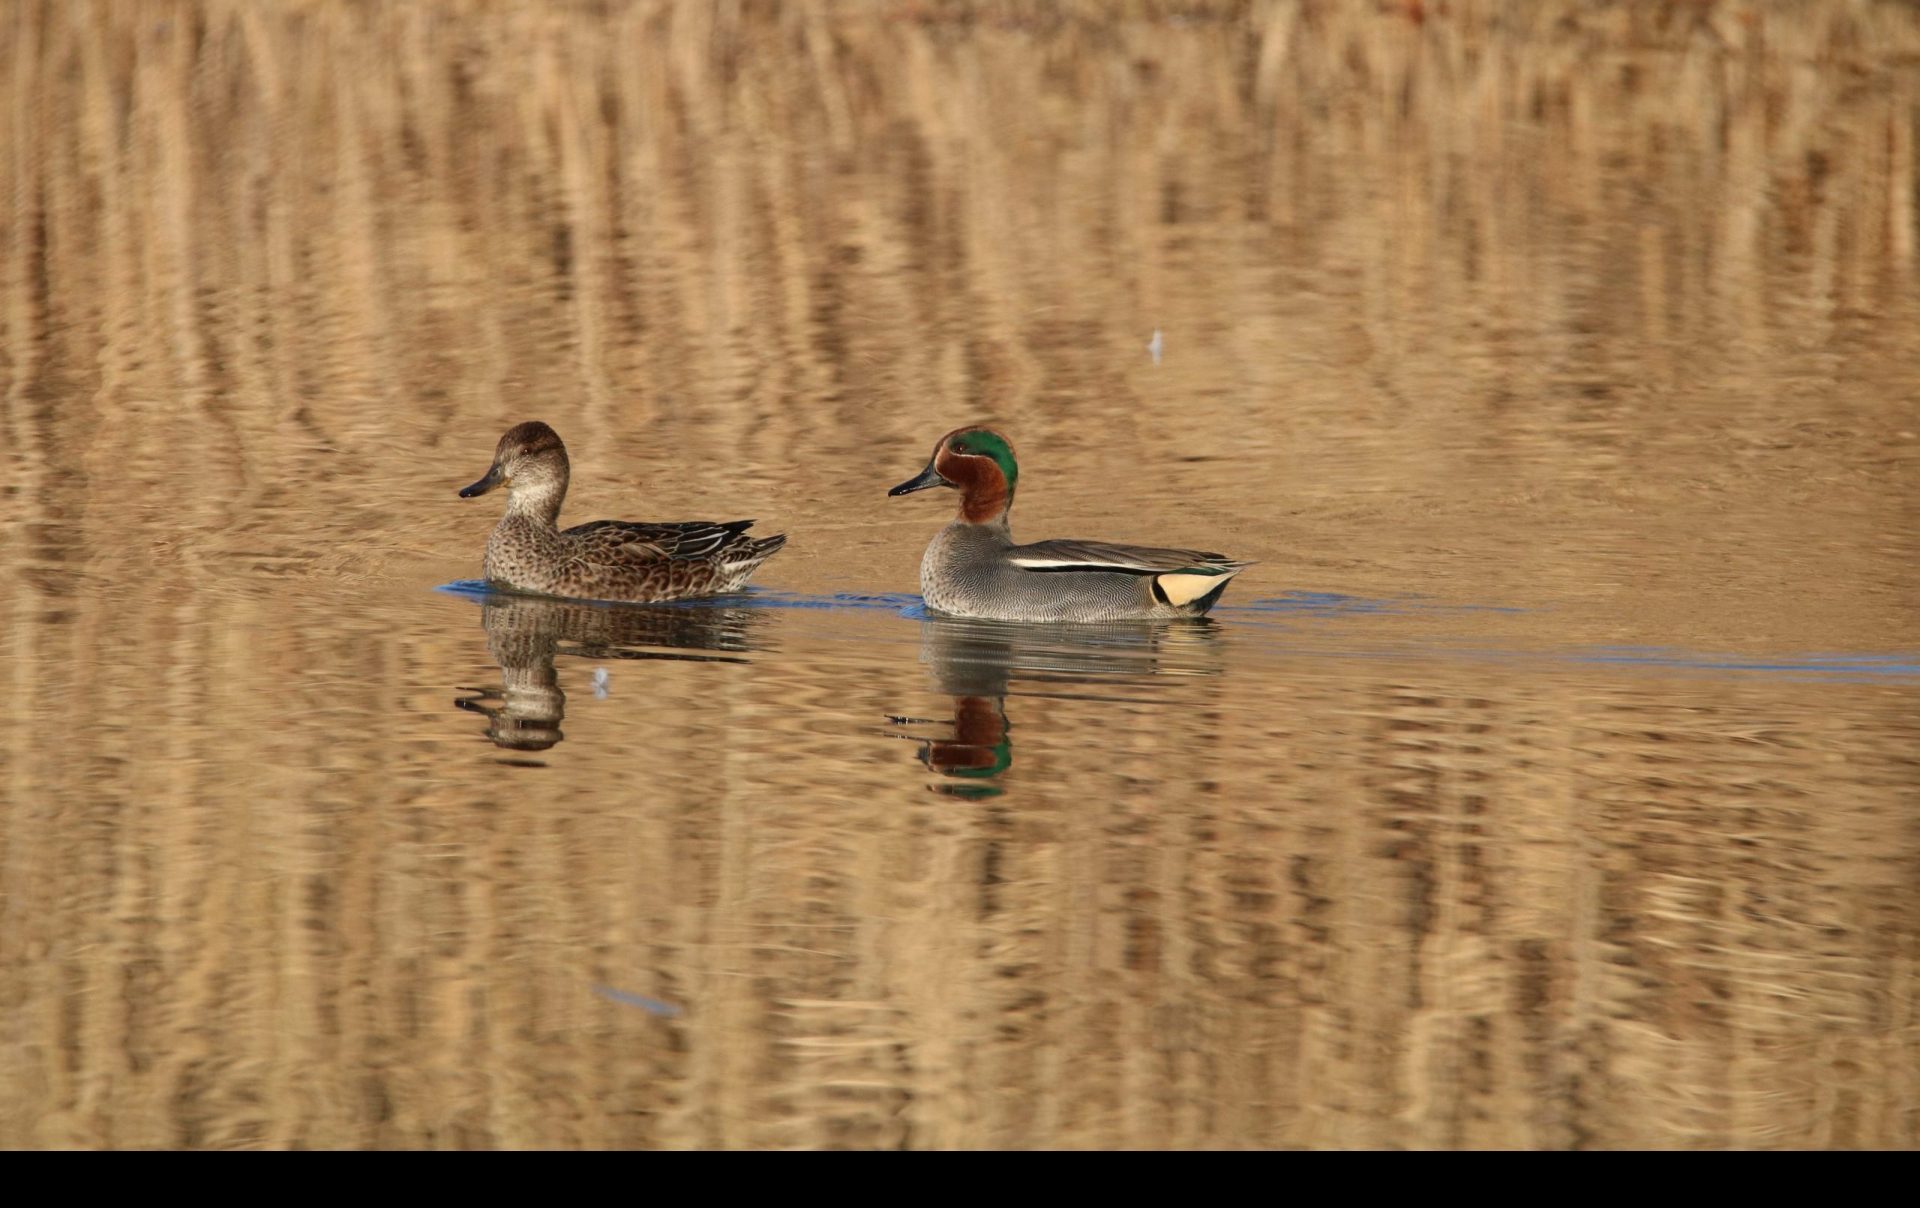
985 497
995 523
537 503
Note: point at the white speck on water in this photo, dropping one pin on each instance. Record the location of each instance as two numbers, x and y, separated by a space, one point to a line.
600 683
1155 345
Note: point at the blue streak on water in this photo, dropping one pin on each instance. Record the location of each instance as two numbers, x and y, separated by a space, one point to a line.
1862 669
1333 604
1876 666
1831 667
890 601
469 589
479 591
653 1006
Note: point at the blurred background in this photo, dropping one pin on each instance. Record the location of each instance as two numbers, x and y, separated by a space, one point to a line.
1552 781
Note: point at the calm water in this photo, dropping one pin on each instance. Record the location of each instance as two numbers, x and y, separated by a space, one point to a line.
1554 780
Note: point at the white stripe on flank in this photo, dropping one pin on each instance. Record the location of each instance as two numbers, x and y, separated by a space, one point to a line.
1068 564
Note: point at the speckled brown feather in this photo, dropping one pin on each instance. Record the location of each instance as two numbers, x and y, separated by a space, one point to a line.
606 559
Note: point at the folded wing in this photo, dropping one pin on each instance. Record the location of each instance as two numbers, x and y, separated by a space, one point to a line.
624 541
1067 555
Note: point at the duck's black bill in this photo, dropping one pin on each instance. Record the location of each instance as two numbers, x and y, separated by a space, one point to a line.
486 484
928 477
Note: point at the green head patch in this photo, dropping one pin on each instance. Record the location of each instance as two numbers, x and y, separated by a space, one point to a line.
981 443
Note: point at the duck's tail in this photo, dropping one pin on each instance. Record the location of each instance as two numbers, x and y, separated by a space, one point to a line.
1197 590
759 549
744 557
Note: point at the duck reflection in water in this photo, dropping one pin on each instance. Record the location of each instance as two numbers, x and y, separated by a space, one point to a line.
981 663
525 634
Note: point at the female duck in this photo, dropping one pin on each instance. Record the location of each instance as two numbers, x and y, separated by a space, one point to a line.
973 568
607 559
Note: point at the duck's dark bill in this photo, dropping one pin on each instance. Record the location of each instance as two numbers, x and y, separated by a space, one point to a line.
486 484
929 477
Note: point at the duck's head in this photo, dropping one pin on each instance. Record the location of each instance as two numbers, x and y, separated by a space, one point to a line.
978 462
529 461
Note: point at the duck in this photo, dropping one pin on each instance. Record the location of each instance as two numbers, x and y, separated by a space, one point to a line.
621 561
973 567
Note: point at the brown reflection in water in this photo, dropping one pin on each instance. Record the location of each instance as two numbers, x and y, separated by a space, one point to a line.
981 746
978 662
525 634
1608 312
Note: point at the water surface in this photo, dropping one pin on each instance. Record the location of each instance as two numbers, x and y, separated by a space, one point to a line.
1551 782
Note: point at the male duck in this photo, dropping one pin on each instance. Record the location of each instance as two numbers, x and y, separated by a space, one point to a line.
607 559
973 568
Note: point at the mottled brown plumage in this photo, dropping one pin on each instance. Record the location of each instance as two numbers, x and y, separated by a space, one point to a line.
604 559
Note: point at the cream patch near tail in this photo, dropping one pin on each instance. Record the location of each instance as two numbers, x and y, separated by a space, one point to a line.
1182 589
